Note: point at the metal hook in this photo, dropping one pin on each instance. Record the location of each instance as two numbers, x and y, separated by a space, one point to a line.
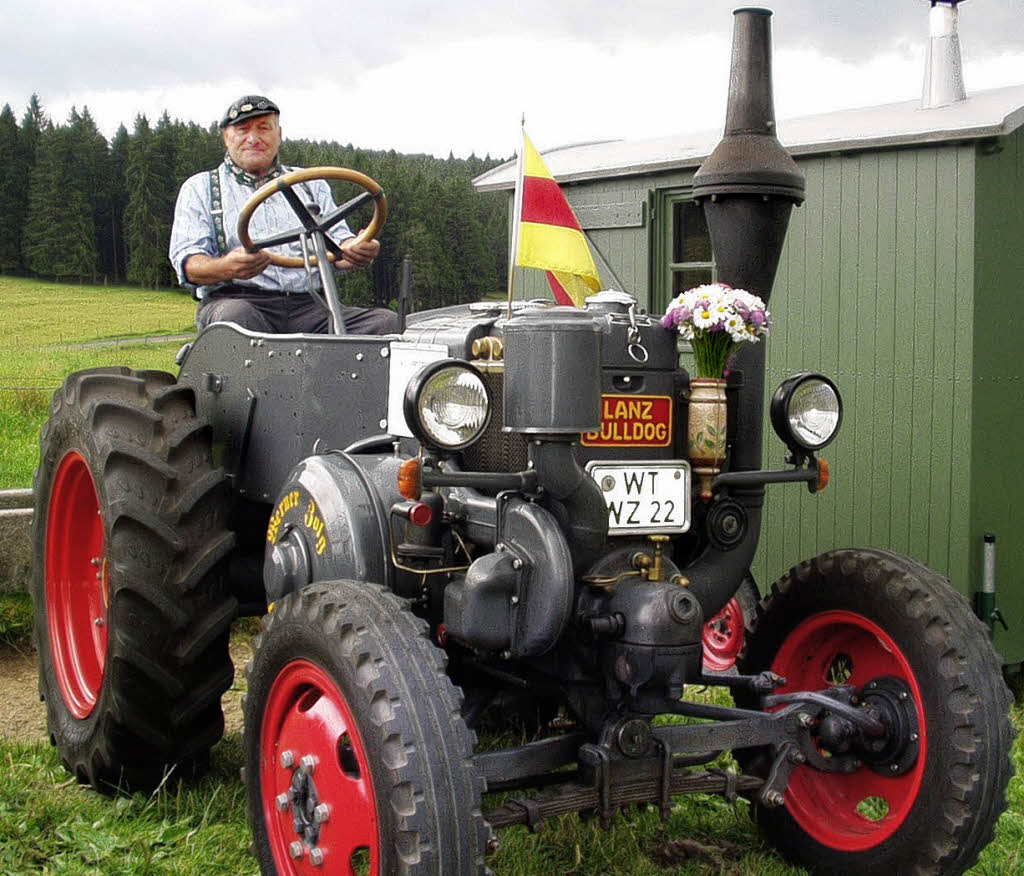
637 351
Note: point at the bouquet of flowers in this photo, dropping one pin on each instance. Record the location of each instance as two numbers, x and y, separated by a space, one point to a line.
716 319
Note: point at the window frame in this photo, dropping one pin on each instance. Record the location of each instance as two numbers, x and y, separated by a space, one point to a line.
663 227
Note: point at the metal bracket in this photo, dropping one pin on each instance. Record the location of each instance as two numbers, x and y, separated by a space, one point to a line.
786 760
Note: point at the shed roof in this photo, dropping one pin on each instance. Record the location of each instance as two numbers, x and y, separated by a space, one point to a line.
992 113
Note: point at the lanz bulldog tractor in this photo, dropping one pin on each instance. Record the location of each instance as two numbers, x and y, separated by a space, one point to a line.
445 523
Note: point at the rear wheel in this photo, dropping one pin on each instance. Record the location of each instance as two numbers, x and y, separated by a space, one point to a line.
356 757
725 633
907 642
131 607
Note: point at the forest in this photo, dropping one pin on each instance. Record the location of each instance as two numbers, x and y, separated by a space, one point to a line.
75 207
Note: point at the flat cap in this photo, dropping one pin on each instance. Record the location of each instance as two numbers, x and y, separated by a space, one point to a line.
246 107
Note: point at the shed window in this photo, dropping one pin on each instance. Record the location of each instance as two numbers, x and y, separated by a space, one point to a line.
683 248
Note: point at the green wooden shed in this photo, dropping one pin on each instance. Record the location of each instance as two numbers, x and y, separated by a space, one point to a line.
903 279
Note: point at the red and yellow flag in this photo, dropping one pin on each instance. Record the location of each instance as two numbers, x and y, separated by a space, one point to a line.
550 237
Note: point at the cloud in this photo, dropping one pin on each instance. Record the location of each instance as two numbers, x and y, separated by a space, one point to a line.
455 74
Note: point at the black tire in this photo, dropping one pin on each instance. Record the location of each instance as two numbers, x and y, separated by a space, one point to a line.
891 616
132 611
344 673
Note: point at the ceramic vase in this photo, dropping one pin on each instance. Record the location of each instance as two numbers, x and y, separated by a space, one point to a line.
706 430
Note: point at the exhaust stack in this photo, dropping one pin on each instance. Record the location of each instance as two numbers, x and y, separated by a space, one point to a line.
943 69
748 187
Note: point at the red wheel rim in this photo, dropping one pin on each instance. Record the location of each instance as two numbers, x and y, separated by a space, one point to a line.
76 585
306 716
825 805
723 637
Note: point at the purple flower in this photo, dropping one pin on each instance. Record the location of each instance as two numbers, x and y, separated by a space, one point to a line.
759 318
741 309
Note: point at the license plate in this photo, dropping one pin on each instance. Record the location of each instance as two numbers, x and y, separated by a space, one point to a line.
645 498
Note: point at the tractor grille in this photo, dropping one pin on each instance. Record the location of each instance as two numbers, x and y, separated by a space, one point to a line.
496 450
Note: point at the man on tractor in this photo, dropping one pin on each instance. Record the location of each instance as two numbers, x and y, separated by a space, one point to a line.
236 284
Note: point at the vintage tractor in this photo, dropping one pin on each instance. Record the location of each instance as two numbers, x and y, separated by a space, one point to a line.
492 513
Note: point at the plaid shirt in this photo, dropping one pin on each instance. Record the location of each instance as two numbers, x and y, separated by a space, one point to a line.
194 231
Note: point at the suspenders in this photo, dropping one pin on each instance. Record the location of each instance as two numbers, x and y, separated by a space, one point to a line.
217 210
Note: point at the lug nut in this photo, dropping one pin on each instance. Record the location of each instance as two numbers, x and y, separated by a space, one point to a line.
322 814
894 768
287 759
308 763
316 857
295 850
281 801
805 719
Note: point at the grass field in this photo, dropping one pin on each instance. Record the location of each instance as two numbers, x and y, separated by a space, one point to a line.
43 329
49 824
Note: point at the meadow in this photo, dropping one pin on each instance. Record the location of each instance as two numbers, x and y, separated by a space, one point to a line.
49 824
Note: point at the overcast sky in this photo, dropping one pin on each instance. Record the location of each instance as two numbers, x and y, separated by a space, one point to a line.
439 75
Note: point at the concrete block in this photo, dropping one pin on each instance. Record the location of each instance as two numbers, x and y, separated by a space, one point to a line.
15 545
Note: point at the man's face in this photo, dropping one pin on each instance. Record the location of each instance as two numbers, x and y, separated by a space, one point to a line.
253 143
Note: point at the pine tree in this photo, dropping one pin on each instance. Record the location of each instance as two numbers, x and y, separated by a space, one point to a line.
117 259
90 168
147 253
12 193
60 234
17 169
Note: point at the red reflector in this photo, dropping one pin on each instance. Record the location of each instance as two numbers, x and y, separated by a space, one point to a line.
420 514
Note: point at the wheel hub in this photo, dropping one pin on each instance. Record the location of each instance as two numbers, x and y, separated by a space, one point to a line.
895 752
307 813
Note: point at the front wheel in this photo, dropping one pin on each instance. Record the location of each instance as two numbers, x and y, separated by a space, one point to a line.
876 621
356 757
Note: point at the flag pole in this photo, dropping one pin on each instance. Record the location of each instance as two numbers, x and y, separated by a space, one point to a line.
517 212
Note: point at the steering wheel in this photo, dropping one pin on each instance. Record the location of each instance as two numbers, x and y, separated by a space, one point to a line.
310 223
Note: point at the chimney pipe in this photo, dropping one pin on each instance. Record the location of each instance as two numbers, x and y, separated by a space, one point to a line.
943 69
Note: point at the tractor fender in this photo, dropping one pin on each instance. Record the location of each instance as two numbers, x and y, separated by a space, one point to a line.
330 521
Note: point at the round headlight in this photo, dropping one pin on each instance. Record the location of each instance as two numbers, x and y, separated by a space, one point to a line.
806 411
447 405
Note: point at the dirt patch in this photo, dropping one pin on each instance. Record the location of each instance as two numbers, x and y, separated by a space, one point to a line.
23 715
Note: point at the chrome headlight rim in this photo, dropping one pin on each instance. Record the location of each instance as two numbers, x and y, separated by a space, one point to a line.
414 392
780 412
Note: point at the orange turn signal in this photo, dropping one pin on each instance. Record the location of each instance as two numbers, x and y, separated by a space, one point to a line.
822 475
410 479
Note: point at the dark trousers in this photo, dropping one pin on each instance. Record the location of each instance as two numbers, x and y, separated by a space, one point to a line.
277 313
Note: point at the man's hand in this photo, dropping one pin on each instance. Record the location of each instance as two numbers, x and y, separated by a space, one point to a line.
246 265
358 255
204 270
